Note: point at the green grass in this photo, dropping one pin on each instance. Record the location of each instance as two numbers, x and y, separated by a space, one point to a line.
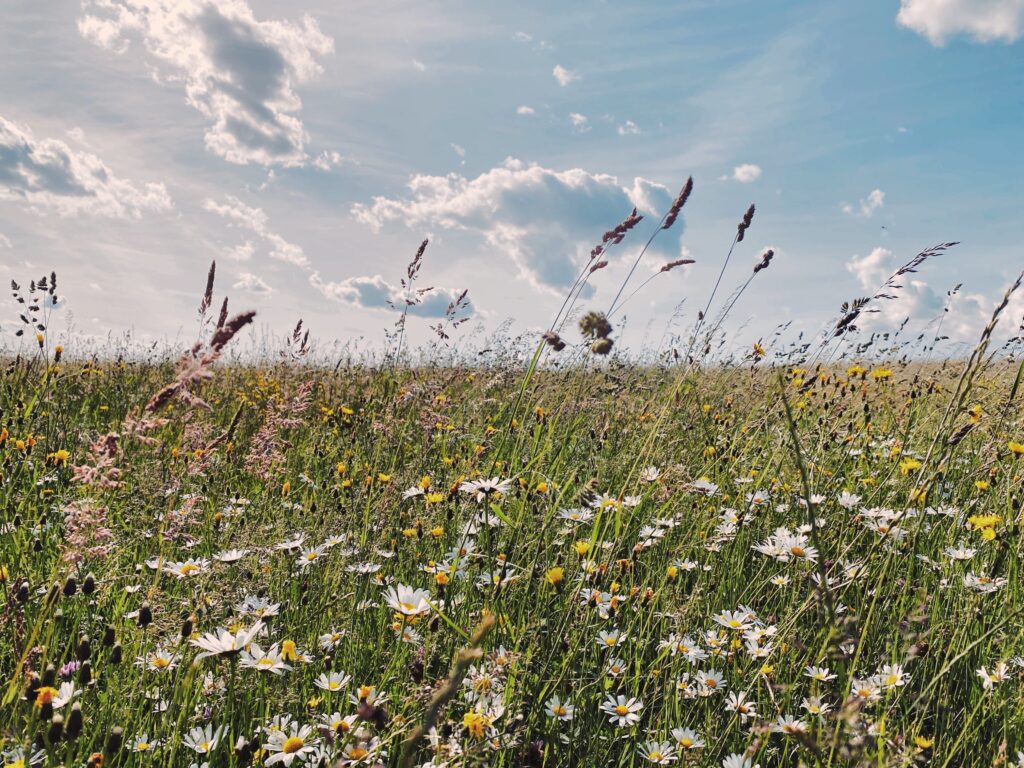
341 463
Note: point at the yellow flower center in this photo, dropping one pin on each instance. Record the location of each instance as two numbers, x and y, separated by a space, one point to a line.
622 710
292 745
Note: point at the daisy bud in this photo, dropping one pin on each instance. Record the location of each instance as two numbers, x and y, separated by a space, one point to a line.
32 689
114 741
49 676
70 587
145 616
116 654
186 627
74 726
84 648
22 594
85 673
56 730
89 585
242 750
109 637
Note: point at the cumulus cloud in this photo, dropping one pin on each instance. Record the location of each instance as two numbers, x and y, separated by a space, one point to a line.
255 221
983 20
962 315
563 75
525 110
247 281
239 72
47 174
377 293
544 221
868 205
746 173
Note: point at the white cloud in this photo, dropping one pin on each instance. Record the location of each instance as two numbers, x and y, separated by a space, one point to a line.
327 160
872 270
239 72
580 124
629 128
746 173
525 110
458 149
5 242
522 37
563 75
47 174
868 206
255 220
377 293
984 20
543 221
252 283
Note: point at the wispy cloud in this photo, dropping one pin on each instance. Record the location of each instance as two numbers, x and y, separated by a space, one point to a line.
255 220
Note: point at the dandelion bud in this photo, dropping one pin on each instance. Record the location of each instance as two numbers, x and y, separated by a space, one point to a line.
74 725
89 585
114 741
70 587
145 616
601 346
109 636
56 729
84 649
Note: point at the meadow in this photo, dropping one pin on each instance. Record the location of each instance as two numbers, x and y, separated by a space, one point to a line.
798 557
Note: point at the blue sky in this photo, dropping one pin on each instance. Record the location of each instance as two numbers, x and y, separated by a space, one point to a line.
310 146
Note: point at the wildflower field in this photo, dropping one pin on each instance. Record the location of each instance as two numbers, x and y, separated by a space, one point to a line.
760 564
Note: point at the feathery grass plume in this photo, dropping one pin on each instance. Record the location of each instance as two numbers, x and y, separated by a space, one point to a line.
595 325
194 365
452 320
207 299
670 265
677 204
554 341
851 311
296 345
744 225
267 450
